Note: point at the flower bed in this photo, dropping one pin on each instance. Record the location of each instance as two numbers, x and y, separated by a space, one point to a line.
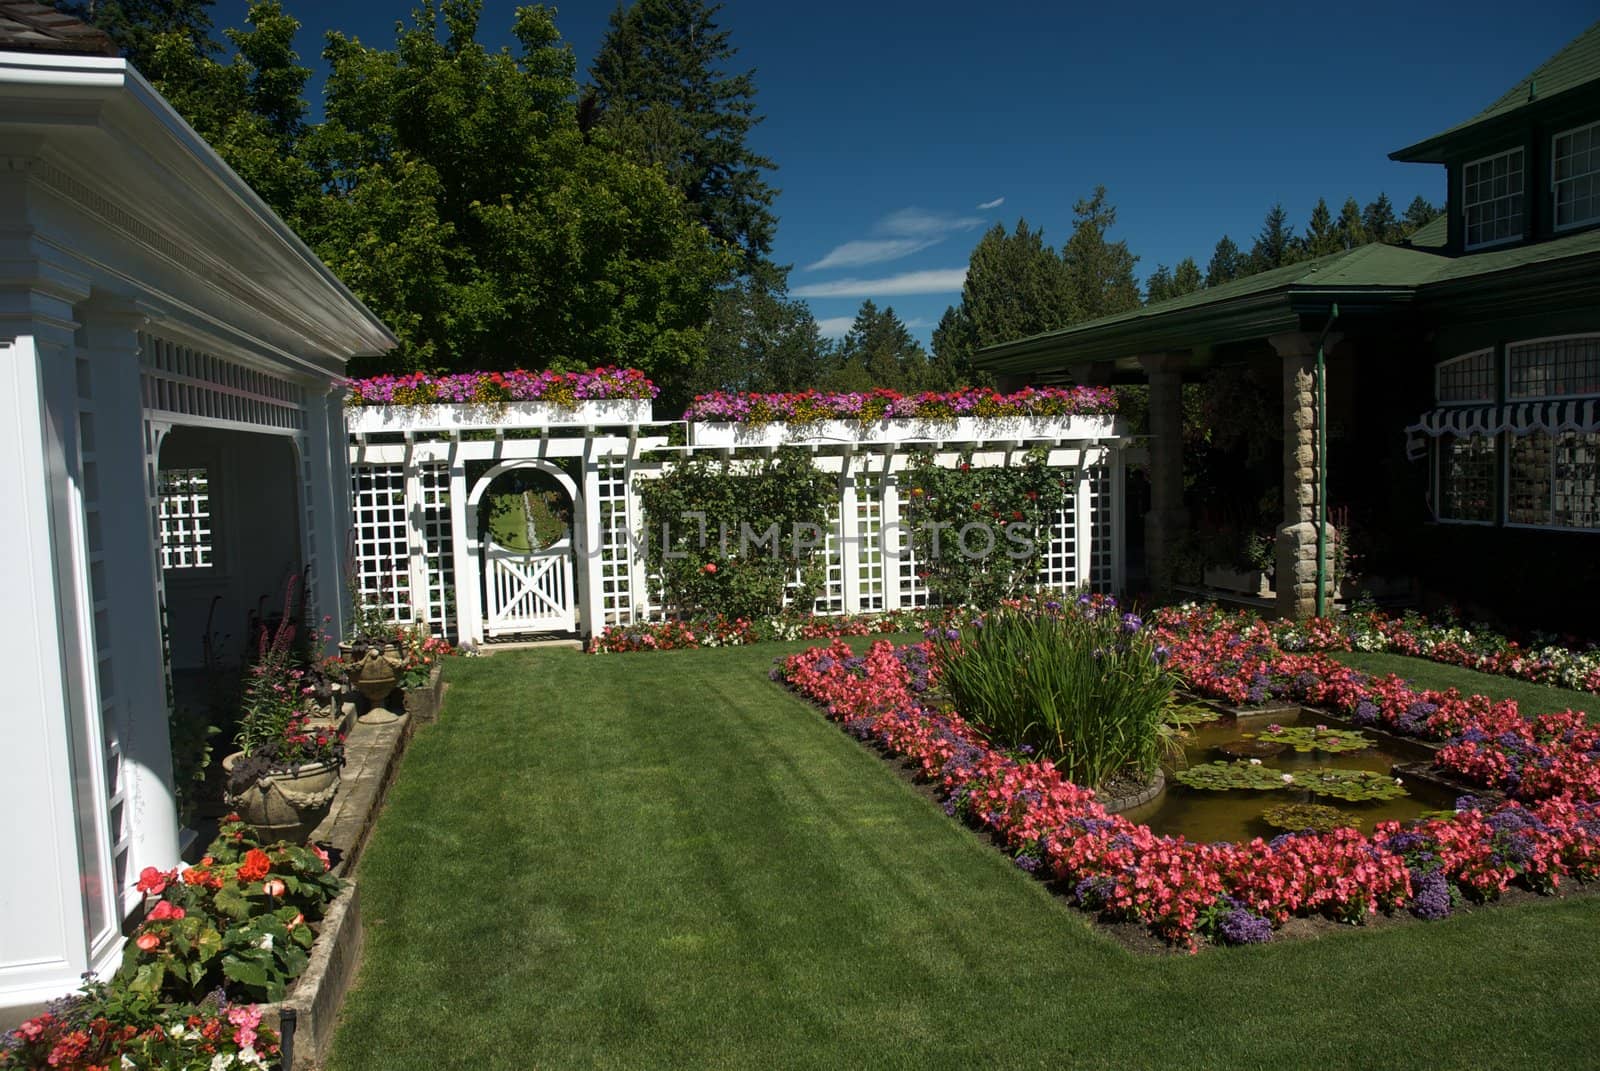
235 928
866 407
1450 643
1183 891
721 631
488 388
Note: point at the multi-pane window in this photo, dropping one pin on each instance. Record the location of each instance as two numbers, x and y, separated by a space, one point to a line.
1554 480
1466 379
1553 368
184 511
1492 198
1466 478
1575 176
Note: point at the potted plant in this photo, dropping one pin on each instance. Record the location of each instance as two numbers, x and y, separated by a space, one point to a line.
286 771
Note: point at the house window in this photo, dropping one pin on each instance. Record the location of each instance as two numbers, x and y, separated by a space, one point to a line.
1466 379
1553 368
184 510
1575 176
1467 478
1491 198
1554 480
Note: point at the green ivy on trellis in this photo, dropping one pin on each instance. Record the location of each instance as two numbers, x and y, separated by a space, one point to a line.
1017 505
709 545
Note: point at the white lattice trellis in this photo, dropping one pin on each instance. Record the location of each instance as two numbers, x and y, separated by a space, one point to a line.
1058 567
439 570
831 598
616 548
184 519
381 537
870 558
1100 544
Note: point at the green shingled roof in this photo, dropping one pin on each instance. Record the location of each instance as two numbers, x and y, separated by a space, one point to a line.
1260 305
1576 65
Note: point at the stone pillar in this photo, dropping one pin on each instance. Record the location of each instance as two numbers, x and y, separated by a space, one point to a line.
1296 572
1167 520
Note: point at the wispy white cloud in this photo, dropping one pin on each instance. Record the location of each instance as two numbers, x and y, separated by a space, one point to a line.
915 223
835 326
935 281
996 203
899 234
871 251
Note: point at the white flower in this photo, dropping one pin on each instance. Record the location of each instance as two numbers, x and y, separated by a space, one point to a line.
1288 779
265 942
1398 781
221 1062
1255 762
127 1062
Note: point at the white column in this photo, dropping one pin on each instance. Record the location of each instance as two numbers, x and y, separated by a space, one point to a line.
333 595
416 538
1084 521
131 615
43 939
469 614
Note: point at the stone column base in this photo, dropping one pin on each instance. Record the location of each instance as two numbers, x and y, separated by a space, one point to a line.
1296 577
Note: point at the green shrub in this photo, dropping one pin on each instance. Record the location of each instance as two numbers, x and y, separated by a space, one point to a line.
1082 685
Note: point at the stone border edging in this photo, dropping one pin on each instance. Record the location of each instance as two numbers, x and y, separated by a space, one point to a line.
319 993
1150 791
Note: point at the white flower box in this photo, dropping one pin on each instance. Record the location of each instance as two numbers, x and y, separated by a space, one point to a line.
449 416
902 430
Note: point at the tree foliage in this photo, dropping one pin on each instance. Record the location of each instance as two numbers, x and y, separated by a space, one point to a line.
664 97
879 351
1098 273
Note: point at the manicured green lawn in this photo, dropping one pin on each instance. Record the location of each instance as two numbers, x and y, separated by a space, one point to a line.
1531 698
663 860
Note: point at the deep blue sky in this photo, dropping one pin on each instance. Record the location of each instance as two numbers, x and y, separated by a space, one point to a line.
892 121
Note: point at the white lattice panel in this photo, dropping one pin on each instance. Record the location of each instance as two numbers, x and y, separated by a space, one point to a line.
438 596
831 600
382 545
1058 566
190 383
616 548
870 559
183 519
1101 527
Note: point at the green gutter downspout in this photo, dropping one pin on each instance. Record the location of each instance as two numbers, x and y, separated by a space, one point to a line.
1322 467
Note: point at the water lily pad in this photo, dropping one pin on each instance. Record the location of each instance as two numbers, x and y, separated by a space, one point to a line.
1242 773
1247 748
1315 738
1355 786
1297 817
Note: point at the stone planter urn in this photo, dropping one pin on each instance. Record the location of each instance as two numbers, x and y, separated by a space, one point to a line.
376 676
289 805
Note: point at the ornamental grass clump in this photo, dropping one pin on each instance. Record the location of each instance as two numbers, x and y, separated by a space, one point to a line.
1081 685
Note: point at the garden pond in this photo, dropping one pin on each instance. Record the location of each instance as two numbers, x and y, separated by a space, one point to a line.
1262 774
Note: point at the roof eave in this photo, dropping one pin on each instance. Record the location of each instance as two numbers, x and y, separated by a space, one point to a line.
1240 320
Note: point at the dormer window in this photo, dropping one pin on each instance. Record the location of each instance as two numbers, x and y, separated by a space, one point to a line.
1491 198
1575 177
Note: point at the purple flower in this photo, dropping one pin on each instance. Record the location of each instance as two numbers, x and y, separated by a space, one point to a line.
1242 926
1430 894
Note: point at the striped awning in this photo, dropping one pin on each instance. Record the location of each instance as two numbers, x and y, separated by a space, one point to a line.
1524 418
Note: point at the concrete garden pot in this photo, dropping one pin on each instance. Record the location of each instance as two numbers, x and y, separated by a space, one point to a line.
289 805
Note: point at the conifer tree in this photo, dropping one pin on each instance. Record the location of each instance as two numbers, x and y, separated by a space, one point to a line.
1227 263
663 94
1274 246
1351 230
1419 214
1321 237
1379 221
1099 273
